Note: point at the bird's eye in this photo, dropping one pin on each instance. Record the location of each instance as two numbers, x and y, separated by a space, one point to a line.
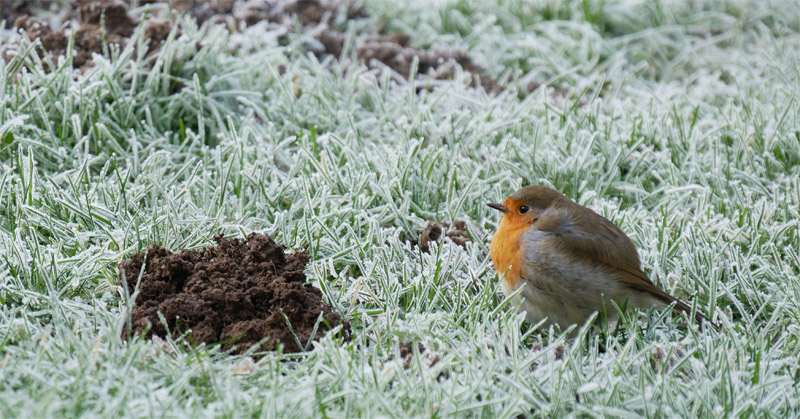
523 209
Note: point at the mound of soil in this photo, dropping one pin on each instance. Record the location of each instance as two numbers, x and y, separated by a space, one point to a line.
239 292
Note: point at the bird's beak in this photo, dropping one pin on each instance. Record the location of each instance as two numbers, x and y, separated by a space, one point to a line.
498 207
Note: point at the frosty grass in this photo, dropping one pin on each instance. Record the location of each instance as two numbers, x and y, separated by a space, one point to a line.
678 120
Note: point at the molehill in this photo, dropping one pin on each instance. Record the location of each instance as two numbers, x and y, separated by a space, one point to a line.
238 292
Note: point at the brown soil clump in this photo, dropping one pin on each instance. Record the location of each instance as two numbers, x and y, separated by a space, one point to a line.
407 353
238 293
113 12
38 29
94 18
436 232
438 63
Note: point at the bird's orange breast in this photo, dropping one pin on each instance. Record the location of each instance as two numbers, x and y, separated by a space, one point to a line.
506 252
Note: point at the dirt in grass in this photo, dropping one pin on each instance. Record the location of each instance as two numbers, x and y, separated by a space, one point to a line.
320 20
237 292
436 232
251 12
93 22
438 63
317 17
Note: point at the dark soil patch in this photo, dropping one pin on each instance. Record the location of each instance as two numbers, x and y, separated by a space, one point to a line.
436 232
87 18
10 10
427 358
97 21
239 292
439 63
407 353
373 50
308 12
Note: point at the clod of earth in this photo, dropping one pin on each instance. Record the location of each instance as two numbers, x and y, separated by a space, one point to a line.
407 353
237 293
435 232
438 63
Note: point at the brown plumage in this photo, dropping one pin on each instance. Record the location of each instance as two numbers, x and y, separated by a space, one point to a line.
572 260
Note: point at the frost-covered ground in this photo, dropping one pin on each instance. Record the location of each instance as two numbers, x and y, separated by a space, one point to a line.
676 120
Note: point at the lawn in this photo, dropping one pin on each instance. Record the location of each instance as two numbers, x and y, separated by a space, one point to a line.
678 120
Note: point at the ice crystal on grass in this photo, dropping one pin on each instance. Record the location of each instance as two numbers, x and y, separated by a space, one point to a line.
676 121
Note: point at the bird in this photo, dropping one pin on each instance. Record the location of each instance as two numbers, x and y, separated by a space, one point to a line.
570 261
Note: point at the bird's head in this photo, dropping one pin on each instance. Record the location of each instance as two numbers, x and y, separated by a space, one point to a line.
525 205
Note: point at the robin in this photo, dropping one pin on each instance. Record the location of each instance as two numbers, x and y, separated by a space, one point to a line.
572 261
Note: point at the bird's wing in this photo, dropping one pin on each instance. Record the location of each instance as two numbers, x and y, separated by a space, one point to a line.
587 235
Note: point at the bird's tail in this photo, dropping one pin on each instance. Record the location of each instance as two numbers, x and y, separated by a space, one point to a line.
699 317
